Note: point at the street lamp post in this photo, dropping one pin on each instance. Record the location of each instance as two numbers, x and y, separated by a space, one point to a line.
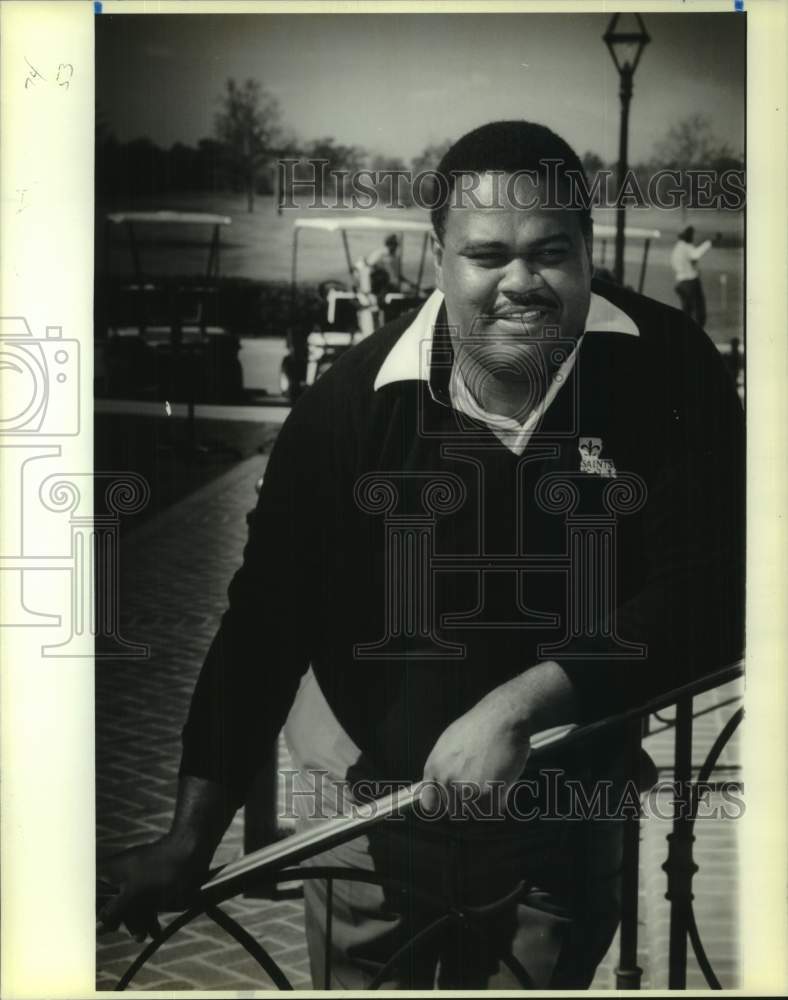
626 48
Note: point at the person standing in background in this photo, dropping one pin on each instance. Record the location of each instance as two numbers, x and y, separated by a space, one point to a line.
684 260
388 260
380 273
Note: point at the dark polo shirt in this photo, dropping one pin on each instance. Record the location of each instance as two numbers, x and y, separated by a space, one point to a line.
417 563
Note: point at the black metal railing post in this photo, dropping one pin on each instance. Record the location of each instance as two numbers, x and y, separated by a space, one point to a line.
680 866
628 972
329 938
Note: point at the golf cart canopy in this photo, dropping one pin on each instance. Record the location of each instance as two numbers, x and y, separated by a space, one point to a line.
360 223
167 217
604 233
330 224
632 232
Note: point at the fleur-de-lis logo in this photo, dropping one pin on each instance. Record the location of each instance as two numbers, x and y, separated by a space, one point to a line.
590 449
591 446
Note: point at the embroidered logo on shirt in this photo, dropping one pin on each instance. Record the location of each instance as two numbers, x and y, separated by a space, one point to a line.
590 449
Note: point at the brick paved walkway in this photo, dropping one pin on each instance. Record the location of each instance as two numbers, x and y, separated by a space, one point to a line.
174 573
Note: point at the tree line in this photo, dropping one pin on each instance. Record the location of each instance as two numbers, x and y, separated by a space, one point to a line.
250 136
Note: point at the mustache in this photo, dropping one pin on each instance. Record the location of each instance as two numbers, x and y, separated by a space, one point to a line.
517 308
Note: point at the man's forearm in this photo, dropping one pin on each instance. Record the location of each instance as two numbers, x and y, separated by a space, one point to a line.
203 811
542 697
491 741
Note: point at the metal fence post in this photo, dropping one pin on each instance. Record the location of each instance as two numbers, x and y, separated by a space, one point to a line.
680 866
628 972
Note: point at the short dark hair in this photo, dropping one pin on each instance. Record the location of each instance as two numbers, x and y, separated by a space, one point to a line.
509 147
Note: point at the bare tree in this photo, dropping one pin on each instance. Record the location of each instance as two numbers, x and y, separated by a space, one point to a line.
340 161
591 162
690 144
430 156
426 162
249 127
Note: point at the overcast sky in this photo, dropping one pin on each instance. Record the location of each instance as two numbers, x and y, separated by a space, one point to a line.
393 83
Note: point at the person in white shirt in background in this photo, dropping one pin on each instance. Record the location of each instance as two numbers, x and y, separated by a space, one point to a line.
684 260
387 259
379 273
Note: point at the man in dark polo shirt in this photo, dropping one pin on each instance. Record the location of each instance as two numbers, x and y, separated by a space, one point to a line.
517 509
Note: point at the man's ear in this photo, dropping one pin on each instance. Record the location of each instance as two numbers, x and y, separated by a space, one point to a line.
437 259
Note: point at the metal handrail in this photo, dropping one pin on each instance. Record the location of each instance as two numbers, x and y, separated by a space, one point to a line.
679 866
698 686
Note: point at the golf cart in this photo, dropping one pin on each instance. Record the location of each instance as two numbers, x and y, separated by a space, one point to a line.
158 334
607 234
349 309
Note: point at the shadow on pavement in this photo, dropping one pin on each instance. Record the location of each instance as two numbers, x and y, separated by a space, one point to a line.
159 449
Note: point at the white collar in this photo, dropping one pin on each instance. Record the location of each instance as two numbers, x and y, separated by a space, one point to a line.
514 435
404 360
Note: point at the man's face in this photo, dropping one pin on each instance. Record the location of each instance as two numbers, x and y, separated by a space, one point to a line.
511 277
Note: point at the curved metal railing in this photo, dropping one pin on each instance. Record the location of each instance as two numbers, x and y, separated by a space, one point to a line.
679 867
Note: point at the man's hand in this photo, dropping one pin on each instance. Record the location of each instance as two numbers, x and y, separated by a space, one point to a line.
491 742
143 881
157 876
